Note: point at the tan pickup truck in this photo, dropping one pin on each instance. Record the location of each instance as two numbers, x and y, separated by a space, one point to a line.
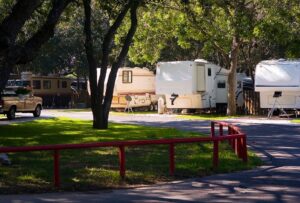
10 103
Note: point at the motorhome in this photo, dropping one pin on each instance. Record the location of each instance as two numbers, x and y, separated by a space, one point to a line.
278 83
195 84
55 90
134 88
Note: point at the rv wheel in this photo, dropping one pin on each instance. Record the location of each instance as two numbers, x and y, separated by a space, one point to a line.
151 107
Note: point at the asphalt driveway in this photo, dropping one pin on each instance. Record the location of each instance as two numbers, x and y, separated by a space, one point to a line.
277 181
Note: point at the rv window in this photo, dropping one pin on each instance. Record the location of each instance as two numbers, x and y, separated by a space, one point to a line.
209 71
127 76
64 84
221 84
36 84
47 84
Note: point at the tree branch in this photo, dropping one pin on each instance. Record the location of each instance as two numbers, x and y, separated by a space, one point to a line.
106 45
89 48
32 46
122 55
12 24
196 24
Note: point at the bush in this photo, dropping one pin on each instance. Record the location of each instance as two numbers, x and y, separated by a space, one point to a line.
22 91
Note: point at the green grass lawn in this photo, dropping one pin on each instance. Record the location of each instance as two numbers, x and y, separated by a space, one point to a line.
92 169
296 120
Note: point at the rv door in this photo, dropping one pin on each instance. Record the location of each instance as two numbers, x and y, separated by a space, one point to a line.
201 87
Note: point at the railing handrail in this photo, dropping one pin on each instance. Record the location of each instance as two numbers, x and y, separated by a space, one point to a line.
117 143
235 137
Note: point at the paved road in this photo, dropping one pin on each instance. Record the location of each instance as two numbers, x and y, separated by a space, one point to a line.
277 181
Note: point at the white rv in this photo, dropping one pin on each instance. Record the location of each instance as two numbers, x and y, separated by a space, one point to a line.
137 84
278 83
195 84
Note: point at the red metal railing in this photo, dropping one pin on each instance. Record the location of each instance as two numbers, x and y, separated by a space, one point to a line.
235 137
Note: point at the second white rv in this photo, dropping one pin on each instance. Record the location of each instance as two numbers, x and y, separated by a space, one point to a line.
278 83
195 84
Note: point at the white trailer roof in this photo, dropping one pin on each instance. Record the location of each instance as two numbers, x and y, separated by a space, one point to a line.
277 75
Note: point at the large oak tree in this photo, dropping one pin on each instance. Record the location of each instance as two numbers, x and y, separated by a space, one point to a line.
101 94
14 51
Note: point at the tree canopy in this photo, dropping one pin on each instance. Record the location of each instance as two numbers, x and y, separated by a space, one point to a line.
57 36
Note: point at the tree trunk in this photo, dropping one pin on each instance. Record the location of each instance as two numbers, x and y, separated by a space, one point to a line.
100 119
231 108
5 69
100 104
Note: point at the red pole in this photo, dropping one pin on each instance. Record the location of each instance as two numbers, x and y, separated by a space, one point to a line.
244 147
229 133
216 155
239 148
122 161
212 129
172 159
221 129
233 146
56 169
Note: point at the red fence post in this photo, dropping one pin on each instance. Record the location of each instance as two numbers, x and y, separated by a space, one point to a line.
233 144
244 149
122 161
239 148
212 129
229 133
172 159
220 129
216 154
56 169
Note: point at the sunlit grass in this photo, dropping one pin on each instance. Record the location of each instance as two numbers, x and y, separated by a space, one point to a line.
90 169
297 120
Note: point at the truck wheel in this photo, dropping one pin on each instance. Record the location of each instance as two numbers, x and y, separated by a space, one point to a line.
37 111
11 114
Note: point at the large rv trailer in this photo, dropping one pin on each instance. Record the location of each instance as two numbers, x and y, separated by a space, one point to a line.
55 90
195 84
278 83
138 84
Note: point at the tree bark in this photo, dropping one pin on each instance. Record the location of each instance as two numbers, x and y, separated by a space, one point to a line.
231 108
101 105
96 104
120 59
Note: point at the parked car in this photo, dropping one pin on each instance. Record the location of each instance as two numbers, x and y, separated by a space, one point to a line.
11 102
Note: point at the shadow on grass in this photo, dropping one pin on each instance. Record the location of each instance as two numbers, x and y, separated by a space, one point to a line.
98 168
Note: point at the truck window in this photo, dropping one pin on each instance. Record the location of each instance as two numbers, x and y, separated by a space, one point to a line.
47 84
7 92
36 84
